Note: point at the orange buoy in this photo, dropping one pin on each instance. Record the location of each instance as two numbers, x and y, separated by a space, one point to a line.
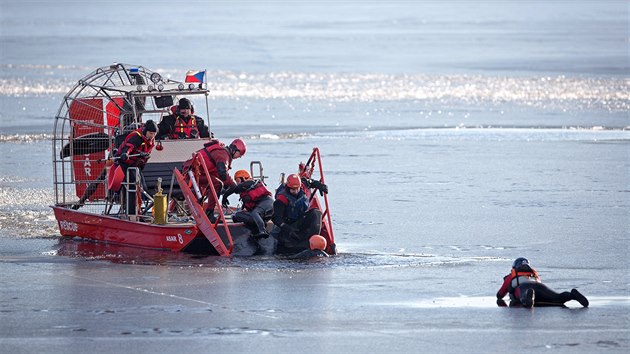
317 242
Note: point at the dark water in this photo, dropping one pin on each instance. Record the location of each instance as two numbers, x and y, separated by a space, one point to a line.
455 138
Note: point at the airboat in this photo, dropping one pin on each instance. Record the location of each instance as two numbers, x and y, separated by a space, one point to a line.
94 117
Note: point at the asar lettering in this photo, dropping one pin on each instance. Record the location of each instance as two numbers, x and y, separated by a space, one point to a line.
177 238
87 165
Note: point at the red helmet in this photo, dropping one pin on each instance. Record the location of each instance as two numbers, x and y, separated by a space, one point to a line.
294 181
238 145
317 242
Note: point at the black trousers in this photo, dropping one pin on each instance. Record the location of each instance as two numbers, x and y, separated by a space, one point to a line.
544 295
310 224
256 217
130 196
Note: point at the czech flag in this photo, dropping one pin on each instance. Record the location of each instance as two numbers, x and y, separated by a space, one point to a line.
196 76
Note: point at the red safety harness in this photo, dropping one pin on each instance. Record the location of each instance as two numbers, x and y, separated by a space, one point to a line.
252 195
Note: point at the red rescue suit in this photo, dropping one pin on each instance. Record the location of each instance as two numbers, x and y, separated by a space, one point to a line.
218 160
134 144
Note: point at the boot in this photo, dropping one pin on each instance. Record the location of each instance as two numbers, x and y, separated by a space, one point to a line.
577 296
260 235
211 217
528 298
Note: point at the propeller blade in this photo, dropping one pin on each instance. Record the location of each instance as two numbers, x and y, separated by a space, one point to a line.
87 144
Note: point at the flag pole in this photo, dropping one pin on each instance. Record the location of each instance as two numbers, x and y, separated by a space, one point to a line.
205 82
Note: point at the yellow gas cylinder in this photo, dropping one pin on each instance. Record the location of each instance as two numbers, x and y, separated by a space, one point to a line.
159 205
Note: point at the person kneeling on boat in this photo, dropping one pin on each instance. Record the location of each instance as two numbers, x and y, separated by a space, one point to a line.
134 152
257 202
183 124
526 289
218 159
294 223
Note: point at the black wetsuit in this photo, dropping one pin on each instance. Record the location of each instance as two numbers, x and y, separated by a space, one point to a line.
294 223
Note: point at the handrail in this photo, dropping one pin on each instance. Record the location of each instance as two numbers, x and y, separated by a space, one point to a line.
197 157
316 157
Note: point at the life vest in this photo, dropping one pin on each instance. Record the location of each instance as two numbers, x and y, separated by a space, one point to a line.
146 146
296 205
182 130
519 278
208 148
256 192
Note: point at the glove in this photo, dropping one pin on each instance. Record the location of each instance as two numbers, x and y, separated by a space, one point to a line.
246 199
227 191
320 186
323 189
224 201
124 156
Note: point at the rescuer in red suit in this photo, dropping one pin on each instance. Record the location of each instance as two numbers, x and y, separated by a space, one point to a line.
218 158
134 152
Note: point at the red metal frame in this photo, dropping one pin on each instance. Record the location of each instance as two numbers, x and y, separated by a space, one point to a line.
307 170
198 161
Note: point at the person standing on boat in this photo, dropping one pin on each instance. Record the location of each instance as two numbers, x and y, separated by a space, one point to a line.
134 152
293 218
218 158
257 202
183 124
525 288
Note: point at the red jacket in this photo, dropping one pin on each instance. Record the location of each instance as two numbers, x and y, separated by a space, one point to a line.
219 161
514 279
135 143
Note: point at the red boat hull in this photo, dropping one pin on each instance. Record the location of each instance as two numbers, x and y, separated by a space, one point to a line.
103 228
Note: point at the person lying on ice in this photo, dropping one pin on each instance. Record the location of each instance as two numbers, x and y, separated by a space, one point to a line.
218 159
257 202
526 289
294 223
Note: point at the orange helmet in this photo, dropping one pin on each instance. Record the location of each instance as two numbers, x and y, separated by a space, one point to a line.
317 242
294 181
242 174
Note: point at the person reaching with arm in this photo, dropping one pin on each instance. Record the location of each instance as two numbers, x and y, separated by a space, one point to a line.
293 218
257 202
218 158
135 151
